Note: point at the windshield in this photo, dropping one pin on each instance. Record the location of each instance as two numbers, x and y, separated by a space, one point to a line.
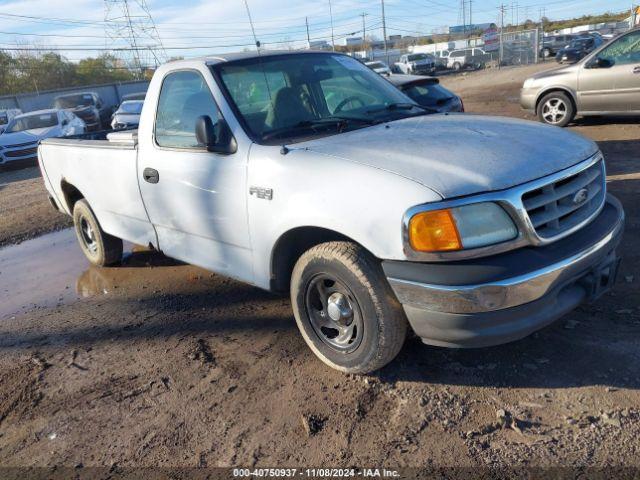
417 56
293 96
375 65
72 101
581 43
130 107
33 122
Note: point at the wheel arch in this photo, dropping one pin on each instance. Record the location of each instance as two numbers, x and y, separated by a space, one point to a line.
71 195
291 245
564 90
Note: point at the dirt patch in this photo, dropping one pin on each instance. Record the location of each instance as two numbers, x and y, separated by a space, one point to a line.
162 364
25 211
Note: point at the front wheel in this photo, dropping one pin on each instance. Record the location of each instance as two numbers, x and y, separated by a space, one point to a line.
457 66
345 309
556 109
98 246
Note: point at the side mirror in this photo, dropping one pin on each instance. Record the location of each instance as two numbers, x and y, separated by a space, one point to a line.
223 142
65 122
599 62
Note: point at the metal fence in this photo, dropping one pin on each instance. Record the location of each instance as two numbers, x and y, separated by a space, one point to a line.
520 48
110 93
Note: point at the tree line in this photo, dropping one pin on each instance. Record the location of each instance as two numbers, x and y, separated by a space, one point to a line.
23 72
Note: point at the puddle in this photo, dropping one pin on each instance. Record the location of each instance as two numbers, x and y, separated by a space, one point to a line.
40 272
51 270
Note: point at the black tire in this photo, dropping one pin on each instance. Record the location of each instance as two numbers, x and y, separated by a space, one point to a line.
546 53
99 247
349 274
457 67
564 105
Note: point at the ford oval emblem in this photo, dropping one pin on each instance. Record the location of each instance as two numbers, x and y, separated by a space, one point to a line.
581 196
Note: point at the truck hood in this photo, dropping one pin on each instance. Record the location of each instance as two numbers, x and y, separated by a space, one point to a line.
456 155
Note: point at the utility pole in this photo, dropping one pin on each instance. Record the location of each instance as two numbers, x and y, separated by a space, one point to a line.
306 21
384 33
333 42
502 10
471 12
464 16
364 30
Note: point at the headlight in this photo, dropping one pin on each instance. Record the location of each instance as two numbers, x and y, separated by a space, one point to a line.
470 226
528 83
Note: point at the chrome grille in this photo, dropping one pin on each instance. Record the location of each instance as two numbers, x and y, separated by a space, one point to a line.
22 145
21 153
561 205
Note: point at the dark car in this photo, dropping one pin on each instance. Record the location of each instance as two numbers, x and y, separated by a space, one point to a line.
88 106
579 48
553 44
428 92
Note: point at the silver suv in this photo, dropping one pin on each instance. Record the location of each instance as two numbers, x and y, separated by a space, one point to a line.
606 82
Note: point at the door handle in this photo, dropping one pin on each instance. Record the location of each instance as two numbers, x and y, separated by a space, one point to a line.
636 70
151 175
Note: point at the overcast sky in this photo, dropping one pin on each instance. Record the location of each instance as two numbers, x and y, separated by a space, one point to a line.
207 26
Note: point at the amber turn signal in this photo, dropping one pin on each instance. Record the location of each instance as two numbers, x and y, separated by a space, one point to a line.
434 231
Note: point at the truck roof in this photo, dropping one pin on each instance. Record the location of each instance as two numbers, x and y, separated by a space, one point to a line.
233 56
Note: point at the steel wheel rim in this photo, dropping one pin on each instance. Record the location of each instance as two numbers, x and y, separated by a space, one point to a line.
88 235
554 111
334 313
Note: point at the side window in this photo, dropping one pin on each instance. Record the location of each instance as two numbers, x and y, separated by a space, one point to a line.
184 97
624 51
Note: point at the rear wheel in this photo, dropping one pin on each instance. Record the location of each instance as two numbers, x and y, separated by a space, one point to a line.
546 53
98 246
556 109
345 309
457 66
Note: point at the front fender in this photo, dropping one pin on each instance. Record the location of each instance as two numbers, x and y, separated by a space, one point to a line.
311 189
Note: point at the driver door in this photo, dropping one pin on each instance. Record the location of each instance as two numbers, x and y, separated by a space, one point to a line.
195 199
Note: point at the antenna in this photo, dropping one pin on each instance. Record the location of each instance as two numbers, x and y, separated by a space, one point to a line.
130 21
253 30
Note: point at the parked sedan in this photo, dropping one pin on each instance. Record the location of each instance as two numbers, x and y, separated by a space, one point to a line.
379 67
606 82
578 49
127 115
19 142
428 92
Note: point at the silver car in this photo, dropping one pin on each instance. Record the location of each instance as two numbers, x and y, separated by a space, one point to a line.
606 82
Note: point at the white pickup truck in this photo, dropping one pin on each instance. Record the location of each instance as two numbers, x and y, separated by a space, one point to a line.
309 173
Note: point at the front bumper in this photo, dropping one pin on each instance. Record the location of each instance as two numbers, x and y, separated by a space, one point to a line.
20 155
528 98
494 300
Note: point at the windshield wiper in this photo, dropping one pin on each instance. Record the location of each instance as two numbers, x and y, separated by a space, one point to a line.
392 107
339 122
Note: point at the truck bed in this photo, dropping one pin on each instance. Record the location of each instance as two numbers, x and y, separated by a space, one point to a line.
102 166
125 139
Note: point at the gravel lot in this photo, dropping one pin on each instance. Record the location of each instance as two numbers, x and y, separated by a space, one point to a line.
157 363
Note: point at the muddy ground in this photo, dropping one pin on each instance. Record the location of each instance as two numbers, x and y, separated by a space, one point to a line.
161 364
